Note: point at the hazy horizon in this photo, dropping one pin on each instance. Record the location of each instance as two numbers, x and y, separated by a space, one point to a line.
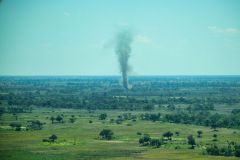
74 38
118 75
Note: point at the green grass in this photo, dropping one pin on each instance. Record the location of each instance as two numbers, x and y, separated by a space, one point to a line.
80 140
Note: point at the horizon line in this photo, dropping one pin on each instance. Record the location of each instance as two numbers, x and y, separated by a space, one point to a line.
113 75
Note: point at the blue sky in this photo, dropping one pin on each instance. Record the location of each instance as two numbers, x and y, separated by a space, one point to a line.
73 37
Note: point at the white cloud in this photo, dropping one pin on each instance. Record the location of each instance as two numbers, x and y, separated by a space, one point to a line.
122 24
143 39
224 30
147 41
232 30
66 13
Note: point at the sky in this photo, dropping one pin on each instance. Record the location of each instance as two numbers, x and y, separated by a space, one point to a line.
74 37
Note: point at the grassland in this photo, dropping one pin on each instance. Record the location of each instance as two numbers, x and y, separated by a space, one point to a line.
80 140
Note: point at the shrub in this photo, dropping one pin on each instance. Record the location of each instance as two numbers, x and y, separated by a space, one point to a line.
213 150
52 138
191 141
34 125
106 134
103 116
144 140
168 135
139 133
15 124
155 143
18 129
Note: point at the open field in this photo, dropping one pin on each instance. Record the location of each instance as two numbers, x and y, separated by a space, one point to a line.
154 106
80 140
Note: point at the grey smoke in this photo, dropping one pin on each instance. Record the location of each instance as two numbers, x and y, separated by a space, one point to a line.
123 43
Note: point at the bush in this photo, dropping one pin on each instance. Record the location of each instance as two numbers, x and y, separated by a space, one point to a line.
46 140
144 140
59 118
18 129
177 133
237 153
103 116
106 134
191 141
168 135
213 150
52 138
237 150
230 150
139 133
155 143
34 125
15 124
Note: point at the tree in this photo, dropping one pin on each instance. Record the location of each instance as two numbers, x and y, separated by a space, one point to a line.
177 133
148 107
2 111
72 119
59 119
103 116
191 141
214 137
34 125
141 141
237 150
52 138
155 143
168 135
199 133
52 119
16 125
139 133
213 150
18 129
16 116
106 134
145 140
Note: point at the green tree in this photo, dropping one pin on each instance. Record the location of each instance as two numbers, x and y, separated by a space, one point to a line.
2 111
168 135
199 132
214 137
106 134
145 140
103 116
155 143
53 138
191 141
34 125
59 119
52 119
72 119
15 125
177 133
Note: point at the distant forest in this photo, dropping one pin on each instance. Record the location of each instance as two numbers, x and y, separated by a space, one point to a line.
178 99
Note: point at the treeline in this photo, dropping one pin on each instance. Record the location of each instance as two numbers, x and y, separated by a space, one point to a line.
198 118
205 119
15 109
107 93
105 100
233 149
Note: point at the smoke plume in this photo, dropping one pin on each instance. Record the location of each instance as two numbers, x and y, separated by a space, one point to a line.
123 49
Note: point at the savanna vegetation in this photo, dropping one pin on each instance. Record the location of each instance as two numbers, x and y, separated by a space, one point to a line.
95 118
